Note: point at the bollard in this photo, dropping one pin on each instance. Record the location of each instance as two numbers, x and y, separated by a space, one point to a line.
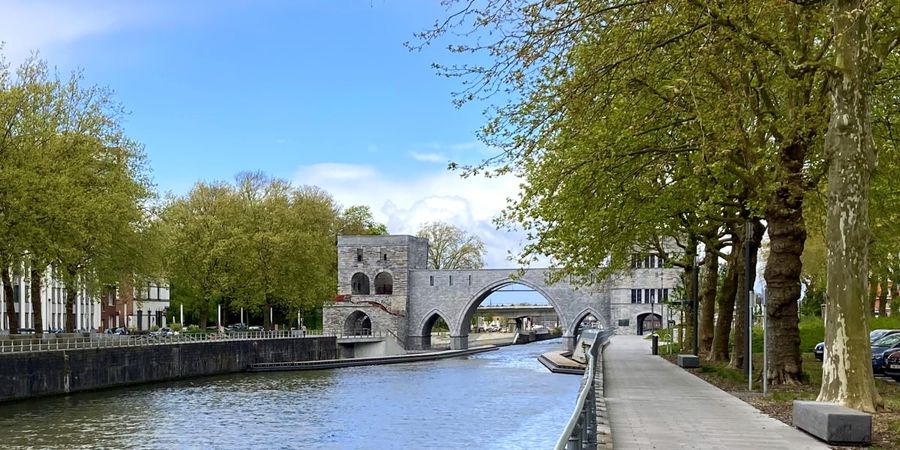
655 344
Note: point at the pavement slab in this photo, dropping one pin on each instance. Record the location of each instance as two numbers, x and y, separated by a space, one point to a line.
654 404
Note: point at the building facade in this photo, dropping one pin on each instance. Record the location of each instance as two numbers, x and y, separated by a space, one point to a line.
136 308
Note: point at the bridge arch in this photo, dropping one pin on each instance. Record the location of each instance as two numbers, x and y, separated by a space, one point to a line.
584 314
648 321
358 323
427 324
459 329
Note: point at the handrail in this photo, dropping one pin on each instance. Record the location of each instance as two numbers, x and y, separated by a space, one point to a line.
581 429
43 344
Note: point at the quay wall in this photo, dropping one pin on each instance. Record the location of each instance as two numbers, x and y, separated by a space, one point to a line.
36 374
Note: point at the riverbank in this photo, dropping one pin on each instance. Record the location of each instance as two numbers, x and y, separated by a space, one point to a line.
26 375
366 361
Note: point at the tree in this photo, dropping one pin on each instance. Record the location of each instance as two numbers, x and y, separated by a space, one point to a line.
846 370
723 91
201 250
73 185
358 220
450 247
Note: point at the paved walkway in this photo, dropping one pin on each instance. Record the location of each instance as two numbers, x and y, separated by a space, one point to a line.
654 404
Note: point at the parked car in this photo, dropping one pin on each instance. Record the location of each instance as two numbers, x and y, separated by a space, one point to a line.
237 327
255 328
881 347
874 335
892 365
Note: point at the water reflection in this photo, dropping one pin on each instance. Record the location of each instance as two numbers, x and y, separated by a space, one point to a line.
502 399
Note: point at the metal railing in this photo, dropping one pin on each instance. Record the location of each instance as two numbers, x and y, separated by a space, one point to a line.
54 343
581 430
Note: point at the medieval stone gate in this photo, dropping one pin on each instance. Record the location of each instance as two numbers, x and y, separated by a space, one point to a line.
385 287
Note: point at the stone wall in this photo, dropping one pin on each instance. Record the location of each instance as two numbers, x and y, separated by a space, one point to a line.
25 375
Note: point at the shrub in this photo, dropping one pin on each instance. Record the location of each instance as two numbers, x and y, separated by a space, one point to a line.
175 326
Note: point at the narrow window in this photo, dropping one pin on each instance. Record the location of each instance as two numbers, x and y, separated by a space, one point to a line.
451 280
431 280
666 294
470 280
359 255
384 256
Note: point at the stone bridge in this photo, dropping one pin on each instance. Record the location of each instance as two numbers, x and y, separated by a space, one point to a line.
384 286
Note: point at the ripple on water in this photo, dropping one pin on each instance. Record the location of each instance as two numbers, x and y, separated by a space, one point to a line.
501 399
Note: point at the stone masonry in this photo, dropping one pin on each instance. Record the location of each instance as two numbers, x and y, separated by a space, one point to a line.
418 295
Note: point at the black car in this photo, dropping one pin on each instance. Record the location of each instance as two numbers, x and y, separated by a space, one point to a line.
882 347
874 335
892 365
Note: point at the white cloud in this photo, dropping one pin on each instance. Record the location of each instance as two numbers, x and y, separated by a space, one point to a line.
45 26
404 204
429 157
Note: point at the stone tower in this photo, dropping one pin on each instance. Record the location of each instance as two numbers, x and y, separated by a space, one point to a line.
373 282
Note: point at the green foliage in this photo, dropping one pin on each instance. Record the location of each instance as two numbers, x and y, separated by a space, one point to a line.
450 247
358 220
258 244
73 188
812 331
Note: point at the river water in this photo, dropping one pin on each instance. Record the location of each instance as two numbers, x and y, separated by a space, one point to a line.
501 399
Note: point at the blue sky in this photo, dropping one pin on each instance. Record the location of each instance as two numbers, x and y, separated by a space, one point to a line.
319 92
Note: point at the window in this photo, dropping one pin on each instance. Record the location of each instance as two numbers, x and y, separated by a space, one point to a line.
624 322
636 296
470 280
384 256
384 284
359 284
451 280
431 280
359 254
651 298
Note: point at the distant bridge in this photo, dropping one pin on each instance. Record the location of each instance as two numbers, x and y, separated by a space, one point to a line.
383 284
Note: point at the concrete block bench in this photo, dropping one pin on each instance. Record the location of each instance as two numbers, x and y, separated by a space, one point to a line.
688 361
833 423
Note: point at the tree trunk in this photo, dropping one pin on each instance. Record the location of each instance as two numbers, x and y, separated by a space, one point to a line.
204 315
71 296
36 300
708 299
688 344
725 300
847 370
267 317
9 296
740 297
787 235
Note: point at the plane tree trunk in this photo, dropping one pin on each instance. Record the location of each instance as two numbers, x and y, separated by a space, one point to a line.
847 370
36 301
708 299
725 302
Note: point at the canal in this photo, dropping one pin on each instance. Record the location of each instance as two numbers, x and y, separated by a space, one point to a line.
503 400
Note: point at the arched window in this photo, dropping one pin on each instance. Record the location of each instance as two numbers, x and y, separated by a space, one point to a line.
359 284
357 324
384 284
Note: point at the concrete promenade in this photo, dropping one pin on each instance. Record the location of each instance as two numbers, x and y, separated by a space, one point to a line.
654 404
